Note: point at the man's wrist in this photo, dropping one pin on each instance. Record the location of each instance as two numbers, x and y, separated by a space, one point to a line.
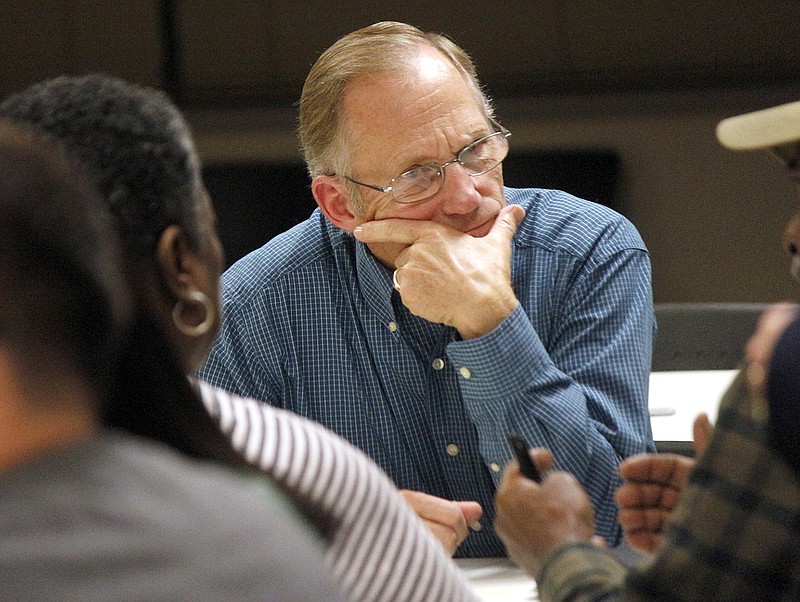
579 568
489 317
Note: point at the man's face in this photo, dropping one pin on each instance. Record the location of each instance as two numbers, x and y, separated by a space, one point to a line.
397 122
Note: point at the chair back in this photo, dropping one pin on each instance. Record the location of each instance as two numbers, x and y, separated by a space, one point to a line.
703 336
697 351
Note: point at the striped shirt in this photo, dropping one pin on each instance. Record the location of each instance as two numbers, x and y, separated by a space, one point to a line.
380 550
313 324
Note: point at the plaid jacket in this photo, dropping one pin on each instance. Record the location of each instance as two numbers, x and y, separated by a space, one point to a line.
735 534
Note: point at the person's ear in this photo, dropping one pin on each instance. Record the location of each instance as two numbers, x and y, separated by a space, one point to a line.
333 199
178 265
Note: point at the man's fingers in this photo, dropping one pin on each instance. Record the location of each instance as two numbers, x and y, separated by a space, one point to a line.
397 230
448 537
646 495
701 433
664 469
447 520
543 458
505 226
408 231
472 511
644 541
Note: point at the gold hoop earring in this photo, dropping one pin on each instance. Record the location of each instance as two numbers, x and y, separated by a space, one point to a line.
204 326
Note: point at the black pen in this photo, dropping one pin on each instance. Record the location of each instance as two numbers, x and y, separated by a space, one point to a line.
526 464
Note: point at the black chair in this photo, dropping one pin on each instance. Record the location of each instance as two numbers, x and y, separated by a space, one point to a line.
701 336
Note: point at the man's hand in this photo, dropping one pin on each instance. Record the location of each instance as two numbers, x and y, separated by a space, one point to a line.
701 433
770 327
448 521
758 351
449 277
652 485
535 519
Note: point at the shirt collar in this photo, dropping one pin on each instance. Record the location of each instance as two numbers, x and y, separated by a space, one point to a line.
376 282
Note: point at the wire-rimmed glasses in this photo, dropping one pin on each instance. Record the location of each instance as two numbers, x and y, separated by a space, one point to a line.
423 181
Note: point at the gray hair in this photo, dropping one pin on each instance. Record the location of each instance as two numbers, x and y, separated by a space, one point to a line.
377 49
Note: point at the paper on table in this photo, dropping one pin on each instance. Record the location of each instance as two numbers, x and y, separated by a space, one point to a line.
497 579
676 398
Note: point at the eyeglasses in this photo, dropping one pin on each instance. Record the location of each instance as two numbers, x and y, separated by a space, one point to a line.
423 181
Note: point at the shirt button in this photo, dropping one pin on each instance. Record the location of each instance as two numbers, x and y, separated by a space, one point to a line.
476 526
438 363
464 371
495 466
392 326
452 449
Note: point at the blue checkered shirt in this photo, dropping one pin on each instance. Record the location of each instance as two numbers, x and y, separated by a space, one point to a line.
312 324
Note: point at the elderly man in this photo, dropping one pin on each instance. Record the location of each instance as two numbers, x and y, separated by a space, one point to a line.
424 311
733 534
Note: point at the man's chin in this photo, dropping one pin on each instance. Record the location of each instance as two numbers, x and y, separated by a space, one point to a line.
482 230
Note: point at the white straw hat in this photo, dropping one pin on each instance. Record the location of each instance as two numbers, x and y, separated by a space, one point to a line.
765 129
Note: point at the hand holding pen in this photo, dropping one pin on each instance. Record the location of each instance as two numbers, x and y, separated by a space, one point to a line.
521 451
536 516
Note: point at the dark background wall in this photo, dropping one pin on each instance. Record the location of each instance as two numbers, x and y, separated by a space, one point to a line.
256 201
614 101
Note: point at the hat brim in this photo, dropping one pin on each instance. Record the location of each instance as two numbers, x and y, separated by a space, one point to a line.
765 129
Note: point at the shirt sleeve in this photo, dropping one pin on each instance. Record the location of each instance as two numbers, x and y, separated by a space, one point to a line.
583 392
733 534
784 395
241 352
581 573
380 549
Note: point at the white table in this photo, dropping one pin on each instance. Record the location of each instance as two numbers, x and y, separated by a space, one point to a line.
498 579
676 398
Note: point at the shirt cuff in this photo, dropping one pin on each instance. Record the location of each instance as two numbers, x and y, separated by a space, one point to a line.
490 365
580 571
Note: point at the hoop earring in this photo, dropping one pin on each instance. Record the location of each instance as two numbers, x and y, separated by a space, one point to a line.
204 326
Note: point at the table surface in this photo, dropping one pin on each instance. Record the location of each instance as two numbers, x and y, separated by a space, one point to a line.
498 579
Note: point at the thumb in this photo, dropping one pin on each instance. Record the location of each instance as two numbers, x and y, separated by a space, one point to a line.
543 458
505 226
472 511
701 433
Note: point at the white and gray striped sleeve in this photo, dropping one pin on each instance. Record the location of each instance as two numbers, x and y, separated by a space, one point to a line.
380 549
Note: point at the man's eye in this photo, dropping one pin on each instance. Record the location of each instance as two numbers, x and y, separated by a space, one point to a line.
415 172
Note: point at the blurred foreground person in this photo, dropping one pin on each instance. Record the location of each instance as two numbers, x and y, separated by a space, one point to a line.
138 147
733 533
91 512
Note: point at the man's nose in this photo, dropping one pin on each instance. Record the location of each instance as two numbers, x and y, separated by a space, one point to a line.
460 196
791 244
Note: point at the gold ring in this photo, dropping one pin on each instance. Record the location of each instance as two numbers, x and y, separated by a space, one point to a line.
394 280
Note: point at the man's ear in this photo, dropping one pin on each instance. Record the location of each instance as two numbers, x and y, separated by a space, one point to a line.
332 197
177 263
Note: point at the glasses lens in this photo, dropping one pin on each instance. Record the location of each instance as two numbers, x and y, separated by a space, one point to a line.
416 184
485 154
